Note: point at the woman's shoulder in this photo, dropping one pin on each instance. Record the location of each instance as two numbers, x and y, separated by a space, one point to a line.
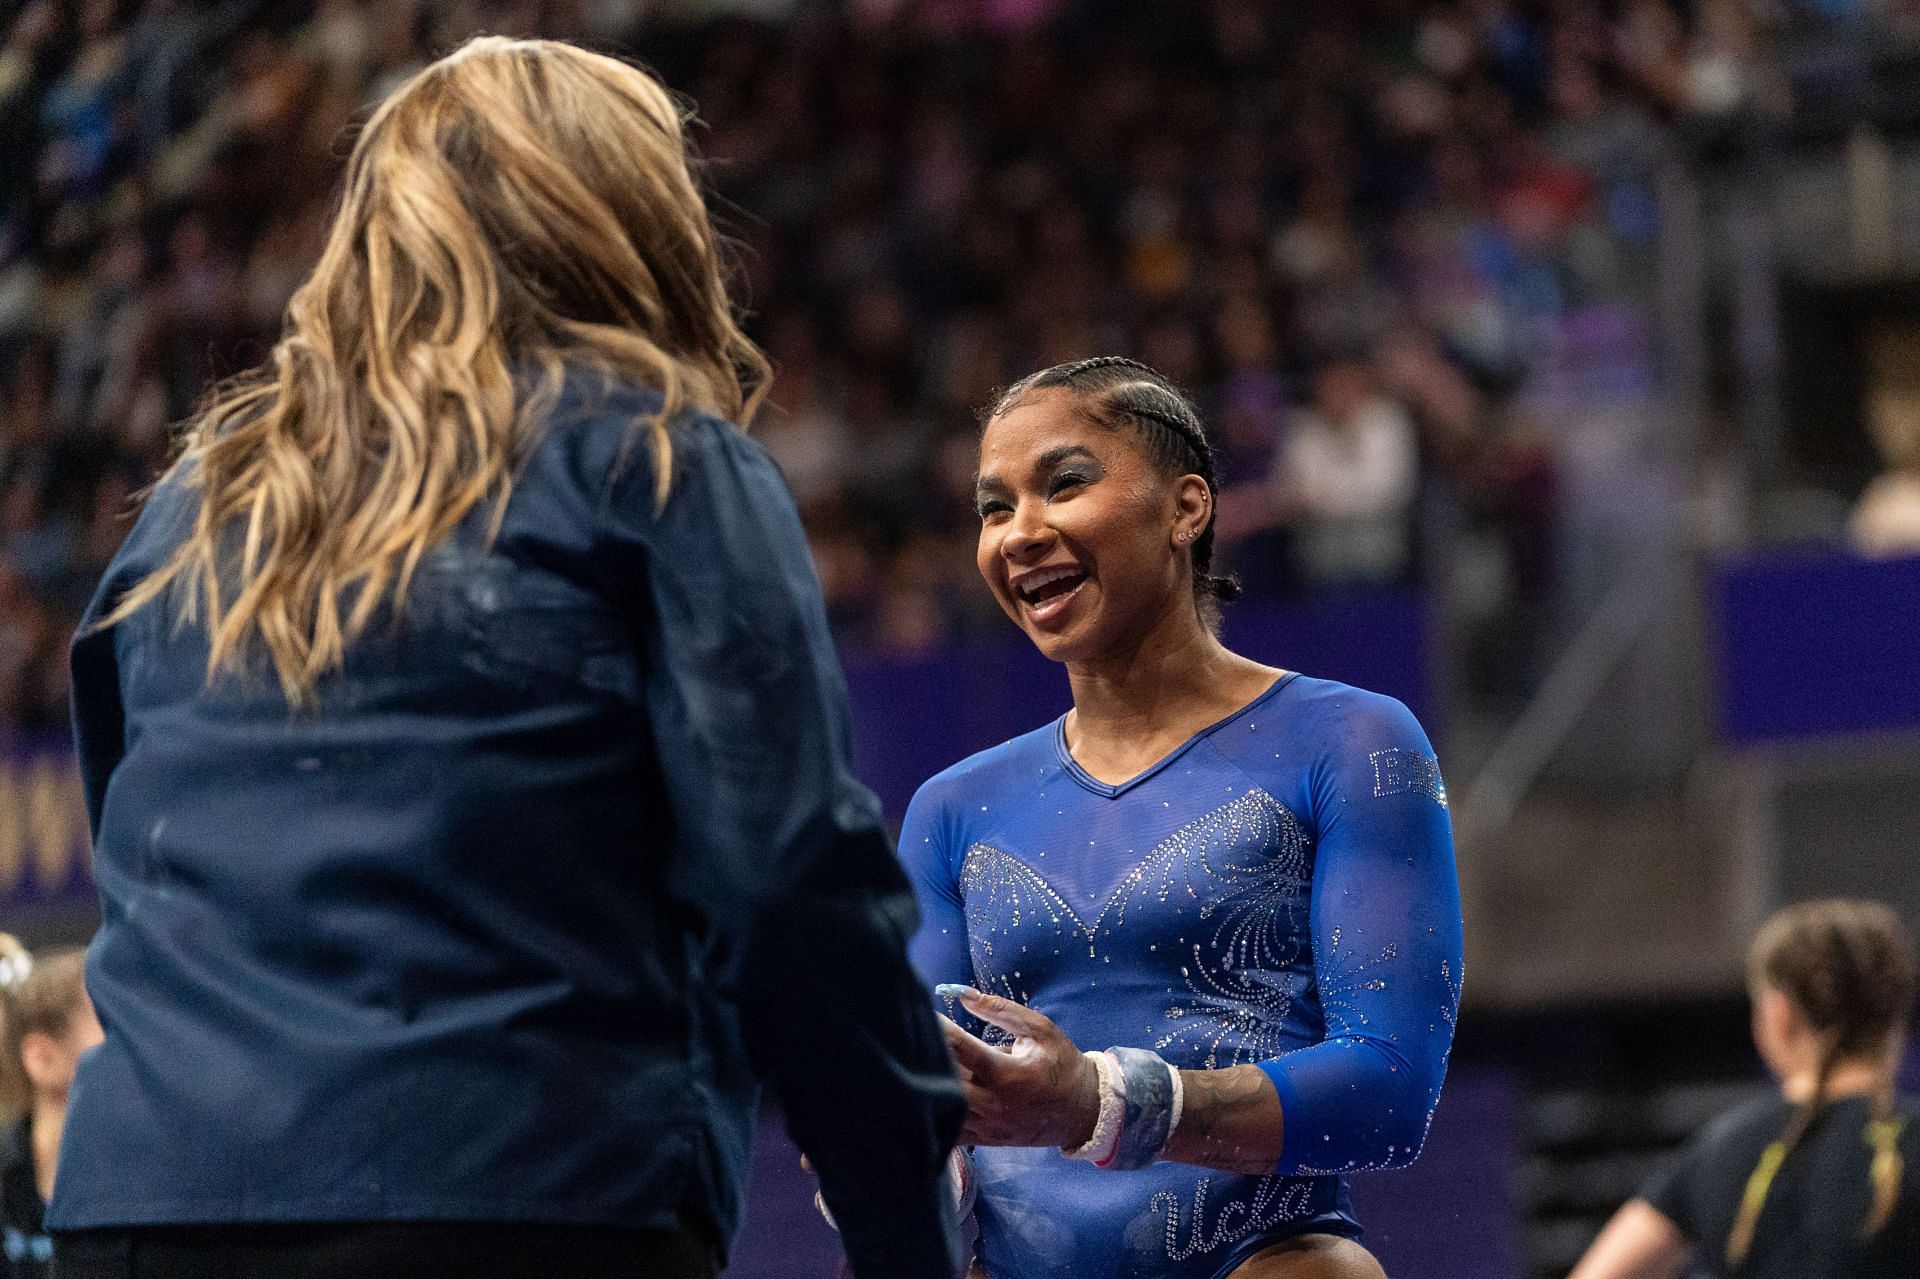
1905 1111
1312 741
1752 1121
167 513
598 456
1331 701
979 777
1332 722
598 412
1723 1148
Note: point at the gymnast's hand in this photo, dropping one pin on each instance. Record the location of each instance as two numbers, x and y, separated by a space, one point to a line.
1041 1091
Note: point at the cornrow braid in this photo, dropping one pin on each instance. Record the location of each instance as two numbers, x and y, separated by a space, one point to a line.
1183 422
1117 391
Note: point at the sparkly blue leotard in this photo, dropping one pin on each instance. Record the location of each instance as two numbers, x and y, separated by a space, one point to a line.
1279 892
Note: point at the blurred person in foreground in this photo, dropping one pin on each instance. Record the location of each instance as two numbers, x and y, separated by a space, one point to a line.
1813 1182
48 1024
467 760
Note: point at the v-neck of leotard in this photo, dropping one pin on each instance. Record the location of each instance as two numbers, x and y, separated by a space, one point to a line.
1098 787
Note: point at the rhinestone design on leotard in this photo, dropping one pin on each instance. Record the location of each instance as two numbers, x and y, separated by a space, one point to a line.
1399 772
1245 865
1274 1200
1242 979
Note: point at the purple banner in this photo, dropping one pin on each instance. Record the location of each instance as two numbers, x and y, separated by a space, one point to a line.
1816 646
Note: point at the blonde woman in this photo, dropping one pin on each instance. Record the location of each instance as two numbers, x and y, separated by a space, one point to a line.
467 759
1813 1182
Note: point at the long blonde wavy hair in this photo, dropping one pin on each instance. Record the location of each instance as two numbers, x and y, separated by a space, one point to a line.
518 205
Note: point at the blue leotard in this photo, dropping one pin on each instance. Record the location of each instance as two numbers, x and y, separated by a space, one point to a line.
1279 891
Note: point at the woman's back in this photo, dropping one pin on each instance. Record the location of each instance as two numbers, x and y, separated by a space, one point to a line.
1812 1225
432 947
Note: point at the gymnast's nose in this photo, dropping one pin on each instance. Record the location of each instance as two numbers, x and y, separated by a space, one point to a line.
1029 537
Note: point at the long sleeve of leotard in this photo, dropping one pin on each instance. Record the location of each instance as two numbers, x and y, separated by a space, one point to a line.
939 950
1386 932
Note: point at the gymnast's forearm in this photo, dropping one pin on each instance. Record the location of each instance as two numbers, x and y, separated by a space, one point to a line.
1229 1119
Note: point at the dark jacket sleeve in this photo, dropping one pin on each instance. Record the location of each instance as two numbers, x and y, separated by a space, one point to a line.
782 849
99 719
99 714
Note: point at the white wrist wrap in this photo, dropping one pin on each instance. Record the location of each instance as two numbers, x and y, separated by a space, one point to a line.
1106 1129
1179 1100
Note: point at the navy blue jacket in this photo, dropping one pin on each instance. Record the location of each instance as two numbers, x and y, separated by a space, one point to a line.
510 923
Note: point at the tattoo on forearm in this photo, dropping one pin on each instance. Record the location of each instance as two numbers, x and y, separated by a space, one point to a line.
1230 1120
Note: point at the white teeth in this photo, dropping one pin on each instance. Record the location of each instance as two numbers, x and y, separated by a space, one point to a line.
1045 577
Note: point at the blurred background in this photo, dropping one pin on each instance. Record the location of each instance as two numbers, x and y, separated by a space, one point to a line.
1563 358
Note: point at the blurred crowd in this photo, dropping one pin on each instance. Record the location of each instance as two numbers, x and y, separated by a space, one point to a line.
1360 233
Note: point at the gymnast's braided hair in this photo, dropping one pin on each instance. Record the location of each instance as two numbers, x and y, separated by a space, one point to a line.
1118 392
1849 967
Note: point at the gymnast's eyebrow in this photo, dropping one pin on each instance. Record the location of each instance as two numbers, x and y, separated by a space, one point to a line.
1042 465
1060 453
985 484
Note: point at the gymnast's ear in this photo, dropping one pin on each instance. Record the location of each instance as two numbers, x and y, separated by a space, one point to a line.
1193 509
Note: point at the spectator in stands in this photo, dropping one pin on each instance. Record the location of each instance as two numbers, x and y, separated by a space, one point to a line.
32 650
1819 1180
1346 478
915 175
1886 519
49 1023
